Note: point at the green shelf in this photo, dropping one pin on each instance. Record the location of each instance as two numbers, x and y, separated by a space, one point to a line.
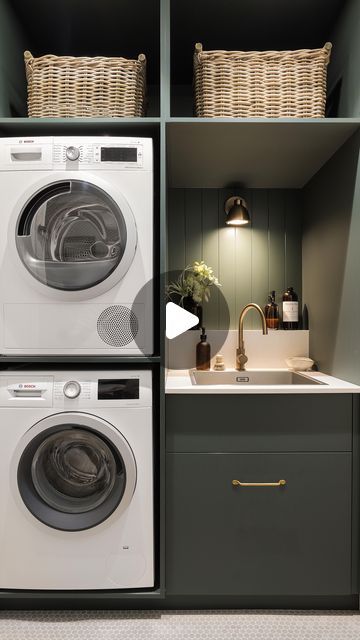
79 126
70 360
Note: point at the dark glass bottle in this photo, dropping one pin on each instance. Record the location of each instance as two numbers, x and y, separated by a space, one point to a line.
271 312
203 353
290 309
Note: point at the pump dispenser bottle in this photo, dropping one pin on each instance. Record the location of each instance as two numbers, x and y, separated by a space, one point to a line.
271 312
203 353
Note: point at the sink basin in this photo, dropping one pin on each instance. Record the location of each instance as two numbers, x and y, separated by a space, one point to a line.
243 378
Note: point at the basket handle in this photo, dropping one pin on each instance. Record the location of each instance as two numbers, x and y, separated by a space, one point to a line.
328 47
28 56
28 60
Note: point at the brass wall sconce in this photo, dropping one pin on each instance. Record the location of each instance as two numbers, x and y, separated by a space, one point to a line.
236 210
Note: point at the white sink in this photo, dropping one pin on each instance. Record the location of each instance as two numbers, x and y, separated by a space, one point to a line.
252 377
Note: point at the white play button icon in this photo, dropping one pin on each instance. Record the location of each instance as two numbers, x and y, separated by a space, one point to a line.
178 320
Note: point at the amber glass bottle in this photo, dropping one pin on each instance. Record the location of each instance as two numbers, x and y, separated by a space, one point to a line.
290 309
203 353
271 312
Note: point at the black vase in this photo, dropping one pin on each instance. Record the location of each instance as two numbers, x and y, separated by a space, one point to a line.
195 308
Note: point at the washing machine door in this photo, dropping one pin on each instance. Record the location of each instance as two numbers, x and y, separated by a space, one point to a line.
74 471
72 235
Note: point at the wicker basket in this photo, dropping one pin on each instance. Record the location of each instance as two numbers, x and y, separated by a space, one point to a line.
67 87
270 84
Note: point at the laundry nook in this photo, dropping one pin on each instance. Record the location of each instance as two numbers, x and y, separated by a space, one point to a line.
179 320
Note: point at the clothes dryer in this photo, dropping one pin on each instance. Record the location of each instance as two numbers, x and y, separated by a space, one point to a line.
76 248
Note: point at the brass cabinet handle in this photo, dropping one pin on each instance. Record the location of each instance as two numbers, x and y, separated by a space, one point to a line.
237 483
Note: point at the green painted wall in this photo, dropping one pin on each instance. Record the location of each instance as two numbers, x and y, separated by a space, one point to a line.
249 261
331 263
12 74
345 59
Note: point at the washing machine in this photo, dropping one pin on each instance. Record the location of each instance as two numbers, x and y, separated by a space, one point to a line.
76 248
76 477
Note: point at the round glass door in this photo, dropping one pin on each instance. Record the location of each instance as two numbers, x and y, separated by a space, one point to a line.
72 477
71 235
74 470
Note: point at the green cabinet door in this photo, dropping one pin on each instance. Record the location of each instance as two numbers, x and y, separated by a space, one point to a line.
262 423
275 540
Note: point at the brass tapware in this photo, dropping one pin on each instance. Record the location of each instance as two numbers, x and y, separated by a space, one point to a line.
237 483
241 358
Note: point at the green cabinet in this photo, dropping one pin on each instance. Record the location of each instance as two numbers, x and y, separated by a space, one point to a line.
292 539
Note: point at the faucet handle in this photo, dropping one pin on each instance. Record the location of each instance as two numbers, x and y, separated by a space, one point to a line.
241 360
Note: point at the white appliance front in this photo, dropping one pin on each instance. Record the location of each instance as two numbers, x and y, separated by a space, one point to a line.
76 500
77 258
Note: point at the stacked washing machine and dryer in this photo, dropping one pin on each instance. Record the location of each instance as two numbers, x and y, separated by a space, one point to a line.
76 270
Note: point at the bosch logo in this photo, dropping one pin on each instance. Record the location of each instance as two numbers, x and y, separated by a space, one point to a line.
28 386
20 386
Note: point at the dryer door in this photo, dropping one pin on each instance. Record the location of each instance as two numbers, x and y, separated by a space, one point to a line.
71 235
74 471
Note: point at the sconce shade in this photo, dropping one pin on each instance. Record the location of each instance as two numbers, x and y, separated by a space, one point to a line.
236 211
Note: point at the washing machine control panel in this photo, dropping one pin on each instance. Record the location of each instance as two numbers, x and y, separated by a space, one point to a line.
110 389
79 390
72 390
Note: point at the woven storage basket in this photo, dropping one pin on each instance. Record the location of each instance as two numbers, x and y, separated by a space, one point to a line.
270 84
66 86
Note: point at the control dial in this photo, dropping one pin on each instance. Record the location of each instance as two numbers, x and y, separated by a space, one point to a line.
72 389
73 153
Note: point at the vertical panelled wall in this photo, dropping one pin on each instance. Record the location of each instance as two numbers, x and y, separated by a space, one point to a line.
249 261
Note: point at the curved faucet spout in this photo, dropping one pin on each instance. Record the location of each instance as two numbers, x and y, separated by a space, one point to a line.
241 358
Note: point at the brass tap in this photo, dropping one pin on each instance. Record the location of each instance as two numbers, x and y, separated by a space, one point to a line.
241 358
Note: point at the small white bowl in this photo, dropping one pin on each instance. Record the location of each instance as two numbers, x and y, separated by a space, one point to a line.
299 363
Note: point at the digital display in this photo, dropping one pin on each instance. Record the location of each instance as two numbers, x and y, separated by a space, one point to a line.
118 389
118 154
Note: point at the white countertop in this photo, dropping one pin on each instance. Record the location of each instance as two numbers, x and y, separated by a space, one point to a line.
179 381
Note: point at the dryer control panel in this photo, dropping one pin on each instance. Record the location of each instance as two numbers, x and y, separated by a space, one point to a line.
108 154
77 389
76 153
